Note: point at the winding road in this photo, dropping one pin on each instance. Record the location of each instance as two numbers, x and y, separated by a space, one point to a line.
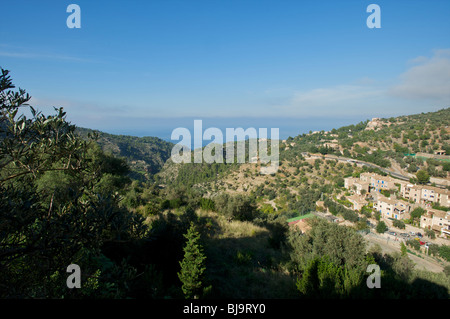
352 160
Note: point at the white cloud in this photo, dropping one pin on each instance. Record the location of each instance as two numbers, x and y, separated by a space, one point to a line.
429 79
424 86
347 99
333 95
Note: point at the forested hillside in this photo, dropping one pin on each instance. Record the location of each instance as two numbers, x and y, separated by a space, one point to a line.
145 155
381 140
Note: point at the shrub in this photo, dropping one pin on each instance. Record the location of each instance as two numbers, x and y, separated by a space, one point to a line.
381 227
237 207
430 233
399 224
414 244
444 252
433 250
447 270
207 204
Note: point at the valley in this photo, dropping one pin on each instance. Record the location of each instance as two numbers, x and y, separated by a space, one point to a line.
140 225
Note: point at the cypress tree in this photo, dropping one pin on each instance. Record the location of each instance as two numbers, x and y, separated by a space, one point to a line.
192 265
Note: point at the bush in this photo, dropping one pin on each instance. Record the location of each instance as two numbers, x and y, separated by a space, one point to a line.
433 250
366 211
381 227
417 212
447 270
207 204
430 233
399 224
444 252
414 244
150 209
238 207
422 176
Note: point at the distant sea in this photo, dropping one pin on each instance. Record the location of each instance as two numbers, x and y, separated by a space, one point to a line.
163 127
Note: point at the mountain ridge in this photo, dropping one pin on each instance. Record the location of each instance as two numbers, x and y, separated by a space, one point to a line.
145 155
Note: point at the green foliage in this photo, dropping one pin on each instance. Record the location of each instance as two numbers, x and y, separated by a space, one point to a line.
386 192
422 176
378 157
237 207
207 204
145 155
403 249
192 265
50 210
366 211
321 278
381 227
438 207
399 224
447 270
330 260
243 258
190 174
446 166
305 202
430 233
341 244
413 243
338 209
417 213
70 196
433 250
444 252
267 209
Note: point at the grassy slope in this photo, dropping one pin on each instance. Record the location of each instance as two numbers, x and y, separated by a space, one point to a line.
241 263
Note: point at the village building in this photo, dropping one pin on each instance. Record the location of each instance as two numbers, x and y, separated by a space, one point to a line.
436 220
357 201
424 194
378 182
392 208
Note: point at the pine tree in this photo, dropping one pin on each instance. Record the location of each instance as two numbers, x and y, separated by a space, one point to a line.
192 265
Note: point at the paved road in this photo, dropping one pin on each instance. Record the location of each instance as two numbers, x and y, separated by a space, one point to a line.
389 245
352 160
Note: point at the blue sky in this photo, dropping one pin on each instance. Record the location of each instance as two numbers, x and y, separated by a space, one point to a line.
147 67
